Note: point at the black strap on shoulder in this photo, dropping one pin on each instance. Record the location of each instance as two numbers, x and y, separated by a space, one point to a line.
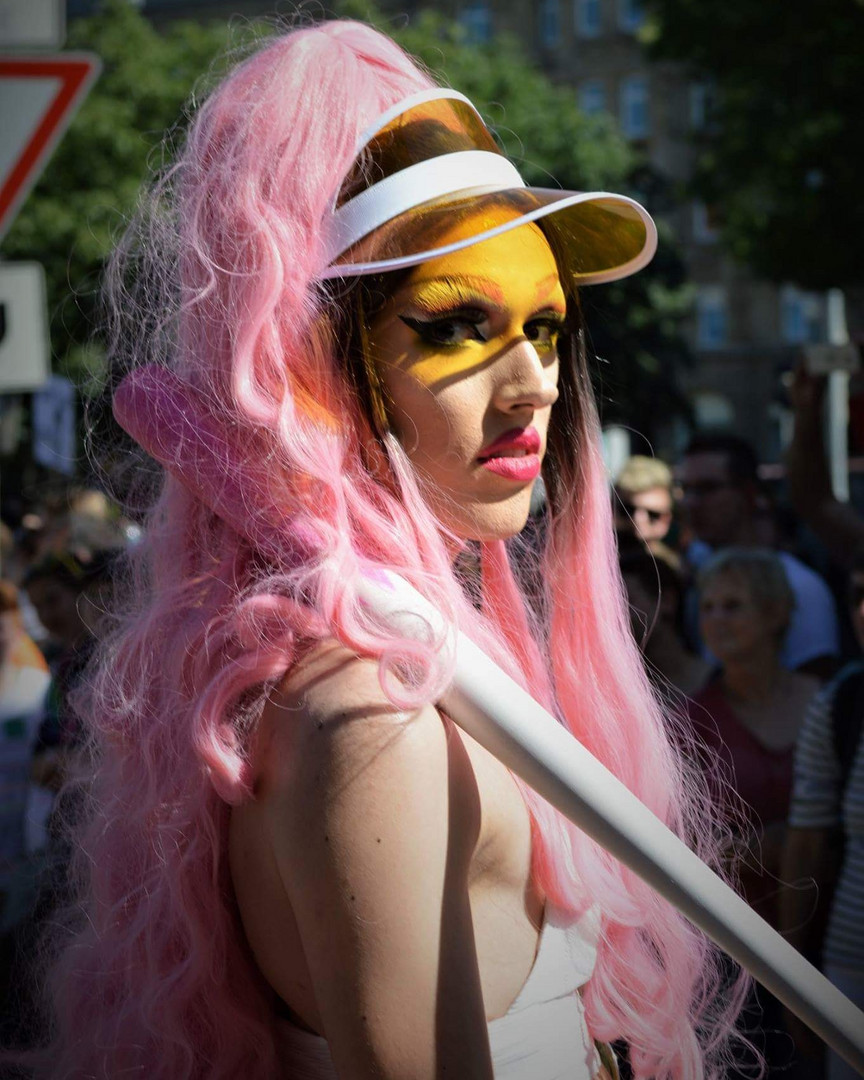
847 719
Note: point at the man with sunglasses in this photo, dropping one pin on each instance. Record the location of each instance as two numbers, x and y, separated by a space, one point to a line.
643 498
725 506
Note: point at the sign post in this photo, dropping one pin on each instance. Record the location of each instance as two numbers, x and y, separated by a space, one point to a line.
39 95
24 348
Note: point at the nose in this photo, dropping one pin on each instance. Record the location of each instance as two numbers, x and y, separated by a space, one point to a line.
526 379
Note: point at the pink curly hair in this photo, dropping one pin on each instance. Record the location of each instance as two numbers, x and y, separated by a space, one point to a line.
217 280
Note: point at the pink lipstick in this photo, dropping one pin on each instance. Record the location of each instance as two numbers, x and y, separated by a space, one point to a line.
515 455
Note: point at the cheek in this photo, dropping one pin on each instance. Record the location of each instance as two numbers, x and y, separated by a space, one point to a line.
443 425
438 369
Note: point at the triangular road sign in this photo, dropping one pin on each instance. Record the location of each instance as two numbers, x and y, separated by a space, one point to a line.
39 95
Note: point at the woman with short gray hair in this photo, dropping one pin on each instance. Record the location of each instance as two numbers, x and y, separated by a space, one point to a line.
748 714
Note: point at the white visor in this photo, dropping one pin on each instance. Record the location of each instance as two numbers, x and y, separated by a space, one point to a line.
429 164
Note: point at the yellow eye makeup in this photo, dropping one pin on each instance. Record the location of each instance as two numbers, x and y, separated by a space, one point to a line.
460 312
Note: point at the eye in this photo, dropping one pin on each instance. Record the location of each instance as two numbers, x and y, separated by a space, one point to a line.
544 332
452 329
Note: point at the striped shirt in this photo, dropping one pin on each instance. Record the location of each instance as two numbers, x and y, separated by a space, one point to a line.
817 803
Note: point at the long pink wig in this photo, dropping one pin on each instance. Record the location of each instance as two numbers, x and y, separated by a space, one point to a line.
216 280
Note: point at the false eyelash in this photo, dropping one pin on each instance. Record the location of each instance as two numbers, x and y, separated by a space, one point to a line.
425 328
558 323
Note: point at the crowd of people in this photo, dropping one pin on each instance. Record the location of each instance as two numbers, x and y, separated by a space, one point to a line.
763 658
57 563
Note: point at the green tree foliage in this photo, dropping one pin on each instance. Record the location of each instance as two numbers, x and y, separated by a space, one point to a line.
74 214
779 159
80 205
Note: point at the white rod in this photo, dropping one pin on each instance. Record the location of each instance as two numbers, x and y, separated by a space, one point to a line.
504 718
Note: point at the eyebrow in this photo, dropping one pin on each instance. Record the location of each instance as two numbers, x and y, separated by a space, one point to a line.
544 288
472 288
461 288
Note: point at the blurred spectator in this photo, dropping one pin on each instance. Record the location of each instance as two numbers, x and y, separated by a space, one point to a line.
655 590
748 715
724 506
643 498
17 648
836 523
822 906
23 684
754 706
69 592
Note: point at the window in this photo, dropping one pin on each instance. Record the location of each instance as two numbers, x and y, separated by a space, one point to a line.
634 107
702 104
704 227
713 410
711 319
476 19
592 97
802 316
550 23
631 15
588 23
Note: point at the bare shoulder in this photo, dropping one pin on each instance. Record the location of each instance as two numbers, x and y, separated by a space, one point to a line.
332 745
359 837
329 722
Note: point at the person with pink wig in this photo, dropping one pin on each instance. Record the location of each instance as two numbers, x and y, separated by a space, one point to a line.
292 864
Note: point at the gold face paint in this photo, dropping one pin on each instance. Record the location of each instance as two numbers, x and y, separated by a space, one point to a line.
466 352
458 312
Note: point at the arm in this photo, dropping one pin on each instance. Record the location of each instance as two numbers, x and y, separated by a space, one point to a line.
811 855
836 524
808 870
374 815
809 865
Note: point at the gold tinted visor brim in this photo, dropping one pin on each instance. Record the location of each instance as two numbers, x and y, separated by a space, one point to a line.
596 236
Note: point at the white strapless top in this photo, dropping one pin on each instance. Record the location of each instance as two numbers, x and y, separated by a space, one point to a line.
542 1036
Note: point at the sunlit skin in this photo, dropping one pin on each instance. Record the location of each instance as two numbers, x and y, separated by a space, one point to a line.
635 510
467 351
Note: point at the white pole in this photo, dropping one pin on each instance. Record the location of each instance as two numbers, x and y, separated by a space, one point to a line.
838 401
504 718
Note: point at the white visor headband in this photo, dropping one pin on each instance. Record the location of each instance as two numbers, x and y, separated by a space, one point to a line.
619 233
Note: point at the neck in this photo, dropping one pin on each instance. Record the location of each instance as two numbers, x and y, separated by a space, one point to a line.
664 647
753 679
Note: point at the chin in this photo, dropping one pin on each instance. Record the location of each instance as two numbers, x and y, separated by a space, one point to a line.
489 521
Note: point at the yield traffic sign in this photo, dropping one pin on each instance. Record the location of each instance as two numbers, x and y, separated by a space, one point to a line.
39 95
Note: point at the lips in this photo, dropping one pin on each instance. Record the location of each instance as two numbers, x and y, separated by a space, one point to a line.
515 455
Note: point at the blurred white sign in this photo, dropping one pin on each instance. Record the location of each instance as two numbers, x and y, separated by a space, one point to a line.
32 24
54 441
615 448
24 358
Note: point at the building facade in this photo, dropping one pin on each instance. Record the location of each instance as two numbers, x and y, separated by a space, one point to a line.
744 332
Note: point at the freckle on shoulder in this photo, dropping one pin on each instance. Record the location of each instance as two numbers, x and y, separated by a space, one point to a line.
333 695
